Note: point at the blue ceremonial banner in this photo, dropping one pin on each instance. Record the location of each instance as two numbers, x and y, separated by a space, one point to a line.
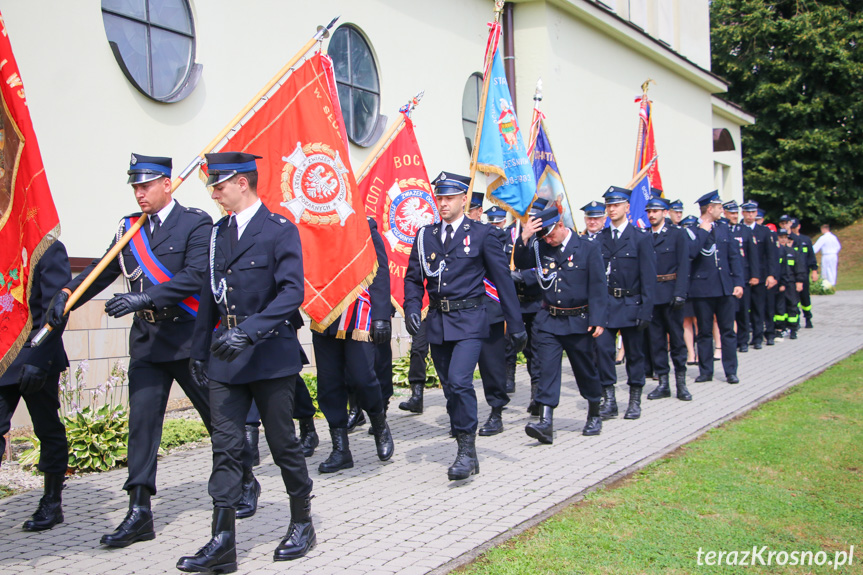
502 154
549 184
638 201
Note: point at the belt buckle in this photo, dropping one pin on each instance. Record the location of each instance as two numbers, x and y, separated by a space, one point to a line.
552 311
618 292
148 316
444 305
232 321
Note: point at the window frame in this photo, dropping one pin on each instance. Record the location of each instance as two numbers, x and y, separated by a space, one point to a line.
379 120
469 139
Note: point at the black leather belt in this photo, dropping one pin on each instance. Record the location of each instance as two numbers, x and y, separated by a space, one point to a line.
567 311
666 277
229 321
528 298
448 305
620 292
151 316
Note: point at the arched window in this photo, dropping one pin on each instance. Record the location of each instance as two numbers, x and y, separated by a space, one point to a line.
358 84
154 44
470 108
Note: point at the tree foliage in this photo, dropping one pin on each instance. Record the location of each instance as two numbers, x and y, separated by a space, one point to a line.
797 65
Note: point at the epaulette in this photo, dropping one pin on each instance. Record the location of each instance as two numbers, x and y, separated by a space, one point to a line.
194 210
278 219
223 219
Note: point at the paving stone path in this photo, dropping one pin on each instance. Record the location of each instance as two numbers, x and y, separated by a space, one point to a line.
403 516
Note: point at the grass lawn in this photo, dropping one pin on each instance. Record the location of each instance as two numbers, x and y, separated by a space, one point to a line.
850 258
788 475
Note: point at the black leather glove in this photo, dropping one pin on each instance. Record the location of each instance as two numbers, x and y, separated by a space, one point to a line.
641 324
32 379
516 277
519 340
125 303
230 344
381 331
199 372
413 322
677 302
56 315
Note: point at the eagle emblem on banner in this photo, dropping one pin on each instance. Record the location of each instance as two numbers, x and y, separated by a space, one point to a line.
314 185
407 209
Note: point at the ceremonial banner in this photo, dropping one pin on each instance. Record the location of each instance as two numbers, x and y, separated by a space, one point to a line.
399 197
501 152
28 218
638 202
645 147
305 175
549 183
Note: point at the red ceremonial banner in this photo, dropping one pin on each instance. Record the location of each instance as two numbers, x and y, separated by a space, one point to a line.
399 197
28 218
305 175
645 147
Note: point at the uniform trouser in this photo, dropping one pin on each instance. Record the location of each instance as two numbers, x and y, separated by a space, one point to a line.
149 387
757 307
667 327
579 351
742 316
491 369
530 353
43 406
304 408
605 363
384 370
649 366
419 352
455 362
343 365
806 299
723 308
770 311
787 313
633 346
230 404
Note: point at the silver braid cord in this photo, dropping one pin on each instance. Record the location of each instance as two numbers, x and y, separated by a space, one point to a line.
422 253
545 282
218 291
121 229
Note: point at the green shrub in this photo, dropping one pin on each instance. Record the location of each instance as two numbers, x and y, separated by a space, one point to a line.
176 432
822 287
311 381
401 367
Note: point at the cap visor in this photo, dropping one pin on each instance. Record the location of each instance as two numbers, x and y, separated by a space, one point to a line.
143 178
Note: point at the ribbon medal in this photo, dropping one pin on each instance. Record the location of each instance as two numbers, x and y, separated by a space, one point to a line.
467 244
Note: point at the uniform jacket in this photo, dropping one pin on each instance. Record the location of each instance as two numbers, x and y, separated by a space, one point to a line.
630 264
264 288
750 256
672 247
768 260
716 268
49 276
181 244
580 281
792 267
803 245
528 291
379 290
475 252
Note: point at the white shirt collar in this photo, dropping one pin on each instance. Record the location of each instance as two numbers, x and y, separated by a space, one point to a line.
566 239
621 228
660 229
163 213
245 216
454 225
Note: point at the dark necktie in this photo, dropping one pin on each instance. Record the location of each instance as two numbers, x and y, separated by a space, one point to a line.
233 232
156 224
615 233
448 238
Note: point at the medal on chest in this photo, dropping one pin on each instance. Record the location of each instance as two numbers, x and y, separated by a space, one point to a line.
467 244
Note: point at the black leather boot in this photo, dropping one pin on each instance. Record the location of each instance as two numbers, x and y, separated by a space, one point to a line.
341 457
383 437
494 423
356 416
50 510
308 436
219 555
248 505
542 430
594 421
808 323
608 405
633 411
682 393
252 434
533 407
300 538
510 378
415 403
662 390
466 462
138 524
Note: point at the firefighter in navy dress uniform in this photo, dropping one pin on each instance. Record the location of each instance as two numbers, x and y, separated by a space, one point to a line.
34 376
716 283
673 248
751 263
450 260
346 361
570 272
173 238
254 285
630 267
765 272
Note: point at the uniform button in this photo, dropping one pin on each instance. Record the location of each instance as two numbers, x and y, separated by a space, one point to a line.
171 248
229 272
444 283
230 289
558 301
277 333
233 307
253 263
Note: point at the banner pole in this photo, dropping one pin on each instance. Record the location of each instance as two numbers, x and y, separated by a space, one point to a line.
321 33
388 137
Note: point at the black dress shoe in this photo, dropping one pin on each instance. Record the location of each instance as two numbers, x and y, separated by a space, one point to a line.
703 377
770 341
301 537
466 462
732 378
341 457
415 403
662 390
383 437
756 345
682 392
219 555
510 379
594 421
633 410
248 505
542 430
808 323
743 348
308 436
494 423
793 334
356 417
50 510
608 406
138 523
